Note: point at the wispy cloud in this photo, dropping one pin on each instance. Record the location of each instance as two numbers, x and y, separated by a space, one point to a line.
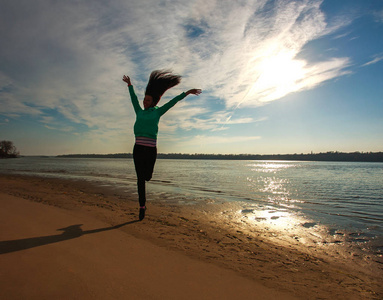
342 35
377 58
69 56
378 16
193 116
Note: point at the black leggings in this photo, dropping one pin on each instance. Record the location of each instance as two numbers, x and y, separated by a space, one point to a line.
144 160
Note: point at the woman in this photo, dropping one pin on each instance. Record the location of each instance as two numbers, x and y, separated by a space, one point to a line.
146 126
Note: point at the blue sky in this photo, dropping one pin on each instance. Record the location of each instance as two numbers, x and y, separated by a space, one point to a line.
277 76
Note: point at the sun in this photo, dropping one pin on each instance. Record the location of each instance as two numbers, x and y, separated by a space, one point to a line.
280 74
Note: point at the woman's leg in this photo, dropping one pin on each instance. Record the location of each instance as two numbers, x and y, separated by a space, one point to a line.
144 160
150 162
139 164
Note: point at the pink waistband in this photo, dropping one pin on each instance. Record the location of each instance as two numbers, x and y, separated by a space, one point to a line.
145 141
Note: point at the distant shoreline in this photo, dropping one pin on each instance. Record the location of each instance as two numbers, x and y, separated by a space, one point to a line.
327 156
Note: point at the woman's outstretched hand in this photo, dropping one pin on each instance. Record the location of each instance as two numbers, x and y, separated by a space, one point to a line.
126 79
194 92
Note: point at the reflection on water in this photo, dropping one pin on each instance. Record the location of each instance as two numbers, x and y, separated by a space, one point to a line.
270 167
317 203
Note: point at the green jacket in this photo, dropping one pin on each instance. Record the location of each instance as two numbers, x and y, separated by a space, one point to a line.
147 119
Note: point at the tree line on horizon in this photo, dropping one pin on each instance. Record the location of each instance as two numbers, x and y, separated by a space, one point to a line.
9 150
326 156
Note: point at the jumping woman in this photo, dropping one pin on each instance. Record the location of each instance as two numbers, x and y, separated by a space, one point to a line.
146 126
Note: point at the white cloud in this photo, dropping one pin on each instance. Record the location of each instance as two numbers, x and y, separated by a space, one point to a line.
47 120
375 60
70 56
12 108
188 117
252 59
342 35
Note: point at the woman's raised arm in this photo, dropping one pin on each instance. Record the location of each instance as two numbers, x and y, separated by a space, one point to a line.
194 92
126 79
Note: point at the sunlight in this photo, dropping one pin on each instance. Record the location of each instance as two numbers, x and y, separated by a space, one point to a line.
271 166
280 75
277 220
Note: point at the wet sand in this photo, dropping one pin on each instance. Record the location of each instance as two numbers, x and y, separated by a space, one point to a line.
71 239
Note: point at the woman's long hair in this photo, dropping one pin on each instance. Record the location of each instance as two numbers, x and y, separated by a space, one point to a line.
159 82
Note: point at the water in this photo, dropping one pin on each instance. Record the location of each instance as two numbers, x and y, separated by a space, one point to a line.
339 202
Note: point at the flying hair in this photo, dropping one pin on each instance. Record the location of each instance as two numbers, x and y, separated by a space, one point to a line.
159 82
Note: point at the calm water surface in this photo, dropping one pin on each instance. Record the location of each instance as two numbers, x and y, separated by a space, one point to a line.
344 198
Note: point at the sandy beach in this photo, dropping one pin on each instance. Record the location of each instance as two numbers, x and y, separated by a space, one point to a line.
64 239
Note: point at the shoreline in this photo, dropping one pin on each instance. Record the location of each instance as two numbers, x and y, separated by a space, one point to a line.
197 232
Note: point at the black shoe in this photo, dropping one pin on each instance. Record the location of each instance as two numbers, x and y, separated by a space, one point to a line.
141 216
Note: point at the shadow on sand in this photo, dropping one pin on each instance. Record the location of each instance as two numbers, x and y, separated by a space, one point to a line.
70 232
